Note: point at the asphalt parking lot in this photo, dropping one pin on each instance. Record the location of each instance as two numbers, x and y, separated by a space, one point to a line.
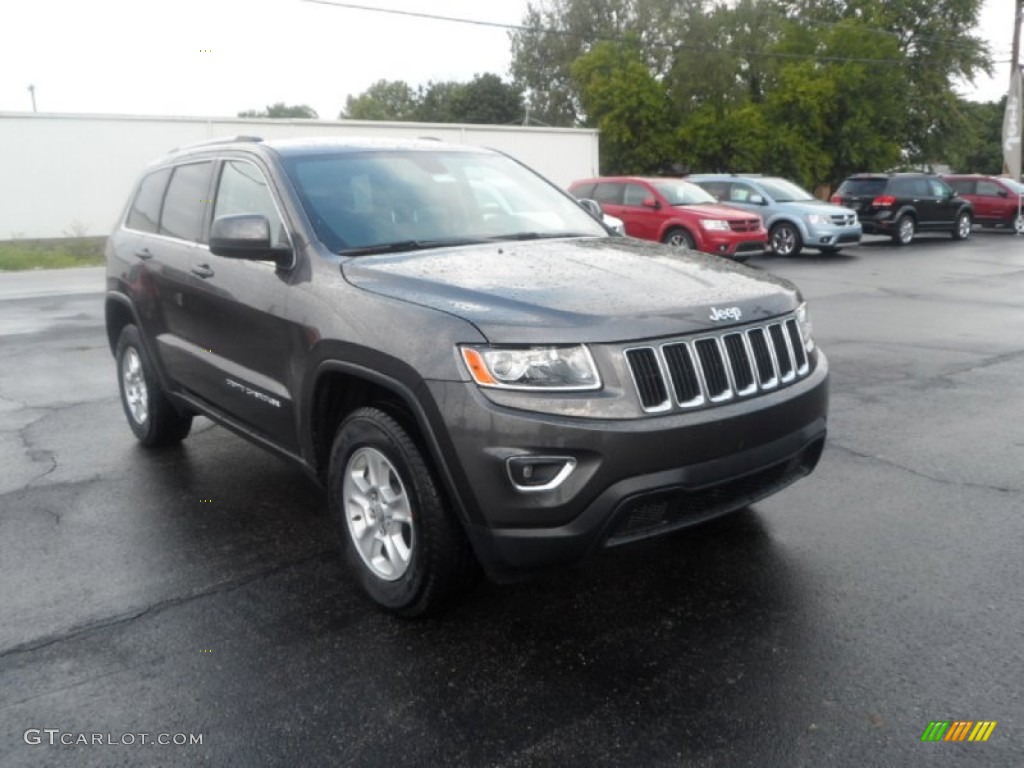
196 592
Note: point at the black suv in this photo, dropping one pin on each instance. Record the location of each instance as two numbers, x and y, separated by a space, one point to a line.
473 368
903 204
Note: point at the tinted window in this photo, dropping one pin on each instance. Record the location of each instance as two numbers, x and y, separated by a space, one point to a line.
964 186
609 193
583 190
717 189
243 189
145 211
862 187
635 195
904 188
989 188
183 205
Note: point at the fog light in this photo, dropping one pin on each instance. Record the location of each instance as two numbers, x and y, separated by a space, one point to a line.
539 473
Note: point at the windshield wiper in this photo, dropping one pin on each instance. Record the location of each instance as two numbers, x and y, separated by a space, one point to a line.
539 235
408 245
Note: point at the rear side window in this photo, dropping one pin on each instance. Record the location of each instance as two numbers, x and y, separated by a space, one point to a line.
185 201
609 192
966 186
582 190
862 187
144 215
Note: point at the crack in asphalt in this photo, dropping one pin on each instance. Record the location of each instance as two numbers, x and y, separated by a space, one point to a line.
160 606
918 473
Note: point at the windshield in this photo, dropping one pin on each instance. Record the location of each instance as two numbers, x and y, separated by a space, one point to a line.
1015 186
682 193
373 201
783 191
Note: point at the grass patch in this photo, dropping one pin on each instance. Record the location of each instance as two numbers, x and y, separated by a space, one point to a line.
56 253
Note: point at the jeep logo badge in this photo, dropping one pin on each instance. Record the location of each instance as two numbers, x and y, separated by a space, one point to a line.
729 313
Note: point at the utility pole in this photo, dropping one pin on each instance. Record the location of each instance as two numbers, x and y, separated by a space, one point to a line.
32 88
1018 10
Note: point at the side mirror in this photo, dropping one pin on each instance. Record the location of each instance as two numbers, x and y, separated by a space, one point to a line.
1003 193
246 236
650 202
592 207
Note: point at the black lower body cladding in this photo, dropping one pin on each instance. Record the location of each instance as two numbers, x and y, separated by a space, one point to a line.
626 479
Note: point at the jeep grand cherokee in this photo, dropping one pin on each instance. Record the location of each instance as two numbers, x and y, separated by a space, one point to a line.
506 387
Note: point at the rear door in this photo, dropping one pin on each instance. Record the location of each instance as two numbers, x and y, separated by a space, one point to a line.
170 253
946 204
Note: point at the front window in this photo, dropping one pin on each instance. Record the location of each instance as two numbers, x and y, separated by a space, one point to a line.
683 193
783 191
375 201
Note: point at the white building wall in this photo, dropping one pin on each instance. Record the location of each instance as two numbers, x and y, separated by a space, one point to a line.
63 175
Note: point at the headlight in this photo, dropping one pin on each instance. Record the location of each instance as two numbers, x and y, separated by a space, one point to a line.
716 224
806 327
563 369
817 218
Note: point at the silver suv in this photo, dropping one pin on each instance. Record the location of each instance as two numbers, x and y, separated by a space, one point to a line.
794 218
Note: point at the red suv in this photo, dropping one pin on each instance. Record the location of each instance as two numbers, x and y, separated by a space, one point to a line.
995 199
678 213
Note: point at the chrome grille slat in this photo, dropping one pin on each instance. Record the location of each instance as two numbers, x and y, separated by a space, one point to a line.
713 369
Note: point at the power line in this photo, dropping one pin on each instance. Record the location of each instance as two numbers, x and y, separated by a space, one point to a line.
603 38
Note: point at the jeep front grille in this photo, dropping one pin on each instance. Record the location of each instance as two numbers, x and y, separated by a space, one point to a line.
706 370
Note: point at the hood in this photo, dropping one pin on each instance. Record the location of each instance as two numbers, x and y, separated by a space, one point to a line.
575 290
715 211
818 206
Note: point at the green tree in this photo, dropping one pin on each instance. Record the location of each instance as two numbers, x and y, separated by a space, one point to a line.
628 105
280 109
384 100
484 99
982 148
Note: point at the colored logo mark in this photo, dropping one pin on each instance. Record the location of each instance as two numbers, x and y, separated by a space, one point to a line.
958 730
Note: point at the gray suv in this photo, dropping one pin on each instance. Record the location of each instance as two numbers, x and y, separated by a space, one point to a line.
505 386
794 218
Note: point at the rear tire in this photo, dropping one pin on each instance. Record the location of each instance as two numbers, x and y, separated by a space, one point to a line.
906 227
155 422
401 540
963 226
678 237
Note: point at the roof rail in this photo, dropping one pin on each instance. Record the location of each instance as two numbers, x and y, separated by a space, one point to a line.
221 140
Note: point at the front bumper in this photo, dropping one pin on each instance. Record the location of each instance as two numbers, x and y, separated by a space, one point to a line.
731 244
631 479
823 236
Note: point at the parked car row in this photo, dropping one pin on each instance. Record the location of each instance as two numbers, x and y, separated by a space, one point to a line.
740 215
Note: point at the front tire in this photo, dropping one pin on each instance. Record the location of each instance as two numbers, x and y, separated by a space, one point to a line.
678 237
155 422
963 226
905 230
402 542
786 240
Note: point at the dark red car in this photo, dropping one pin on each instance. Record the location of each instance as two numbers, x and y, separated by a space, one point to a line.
678 213
995 199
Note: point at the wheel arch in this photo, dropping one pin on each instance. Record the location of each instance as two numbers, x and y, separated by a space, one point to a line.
671 224
118 312
339 388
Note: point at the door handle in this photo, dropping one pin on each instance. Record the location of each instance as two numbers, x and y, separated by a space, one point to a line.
144 253
202 270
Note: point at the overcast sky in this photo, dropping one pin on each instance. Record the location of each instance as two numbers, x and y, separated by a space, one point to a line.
218 57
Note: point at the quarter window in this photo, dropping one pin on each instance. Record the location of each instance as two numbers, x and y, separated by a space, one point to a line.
144 215
185 201
243 189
